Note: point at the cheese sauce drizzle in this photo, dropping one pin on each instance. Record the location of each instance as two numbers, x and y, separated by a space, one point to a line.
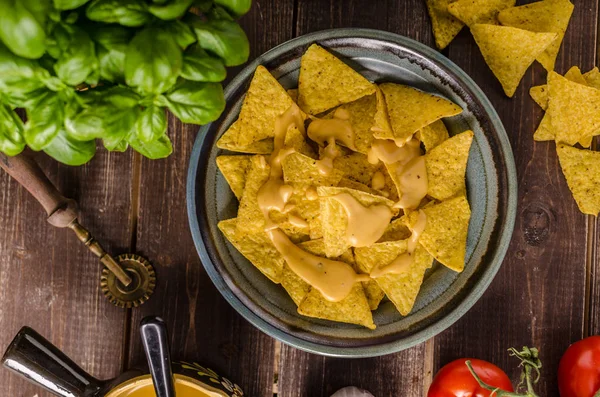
404 262
333 279
366 225
326 132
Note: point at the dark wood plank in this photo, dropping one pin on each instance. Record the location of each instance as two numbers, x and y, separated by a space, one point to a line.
203 326
538 296
305 374
49 281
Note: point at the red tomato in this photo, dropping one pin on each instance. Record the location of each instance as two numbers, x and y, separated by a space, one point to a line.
455 380
579 369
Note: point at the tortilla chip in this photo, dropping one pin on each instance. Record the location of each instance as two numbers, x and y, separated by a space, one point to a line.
296 140
382 118
540 93
433 134
296 288
446 166
257 248
401 289
395 231
293 93
445 234
326 82
350 184
234 170
250 217
544 132
410 109
265 100
582 171
229 141
362 118
593 78
472 12
573 108
541 16
353 309
509 51
445 25
302 172
335 219
356 166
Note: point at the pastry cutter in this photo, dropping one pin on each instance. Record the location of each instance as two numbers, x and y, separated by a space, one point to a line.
127 280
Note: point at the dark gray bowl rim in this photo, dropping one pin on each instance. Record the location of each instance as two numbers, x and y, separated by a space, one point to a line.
221 279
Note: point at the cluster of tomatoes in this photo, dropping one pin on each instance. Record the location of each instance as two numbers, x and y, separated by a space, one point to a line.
578 375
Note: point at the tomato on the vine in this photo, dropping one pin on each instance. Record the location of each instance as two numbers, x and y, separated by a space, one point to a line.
455 379
579 369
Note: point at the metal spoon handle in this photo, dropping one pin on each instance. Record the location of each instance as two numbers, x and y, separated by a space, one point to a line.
156 347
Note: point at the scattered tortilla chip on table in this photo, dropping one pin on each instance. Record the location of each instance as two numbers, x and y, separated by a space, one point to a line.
446 166
234 170
593 78
509 51
541 16
410 109
472 12
265 100
446 230
433 134
581 168
257 248
326 82
229 141
539 93
401 289
574 109
445 25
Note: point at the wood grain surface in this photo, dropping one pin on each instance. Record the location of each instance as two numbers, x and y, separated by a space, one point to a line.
546 294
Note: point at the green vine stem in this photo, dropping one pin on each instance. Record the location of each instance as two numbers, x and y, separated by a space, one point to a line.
529 377
597 393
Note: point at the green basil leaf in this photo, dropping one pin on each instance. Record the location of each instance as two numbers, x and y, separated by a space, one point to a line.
112 37
180 32
115 144
69 151
78 55
68 4
198 65
170 10
132 13
153 61
196 103
40 9
21 31
219 13
111 47
221 37
152 124
158 149
203 5
11 132
44 121
237 7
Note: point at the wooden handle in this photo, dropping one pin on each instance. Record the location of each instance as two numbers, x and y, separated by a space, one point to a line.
61 210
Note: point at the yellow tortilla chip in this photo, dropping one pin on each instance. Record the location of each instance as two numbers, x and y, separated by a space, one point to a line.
446 166
401 289
540 93
265 100
326 82
257 248
433 134
350 184
250 217
229 141
293 93
592 78
410 109
445 234
362 118
582 171
296 288
395 231
234 170
509 51
472 12
445 25
573 108
353 309
541 16
335 219
382 118
544 132
296 140
302 172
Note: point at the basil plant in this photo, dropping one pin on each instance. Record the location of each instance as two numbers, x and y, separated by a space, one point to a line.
108 70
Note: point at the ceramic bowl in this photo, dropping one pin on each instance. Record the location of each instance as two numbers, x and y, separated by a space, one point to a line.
445 295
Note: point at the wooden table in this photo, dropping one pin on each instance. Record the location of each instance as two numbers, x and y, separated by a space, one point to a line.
546 293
